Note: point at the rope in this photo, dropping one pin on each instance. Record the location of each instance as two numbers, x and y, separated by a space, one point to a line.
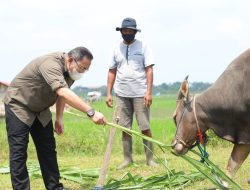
199 141
197 123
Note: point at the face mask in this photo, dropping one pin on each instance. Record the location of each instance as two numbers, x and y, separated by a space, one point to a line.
128 37
74 75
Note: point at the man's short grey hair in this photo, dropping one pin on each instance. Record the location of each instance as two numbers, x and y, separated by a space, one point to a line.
79 52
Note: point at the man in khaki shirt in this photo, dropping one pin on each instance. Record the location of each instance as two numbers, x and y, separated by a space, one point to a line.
43 82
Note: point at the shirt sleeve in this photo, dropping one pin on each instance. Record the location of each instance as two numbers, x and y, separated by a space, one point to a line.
113 63
148 59
53 75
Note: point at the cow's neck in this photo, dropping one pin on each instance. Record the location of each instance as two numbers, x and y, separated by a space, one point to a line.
208 112
201 114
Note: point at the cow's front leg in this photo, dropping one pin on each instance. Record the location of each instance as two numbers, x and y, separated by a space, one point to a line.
238 156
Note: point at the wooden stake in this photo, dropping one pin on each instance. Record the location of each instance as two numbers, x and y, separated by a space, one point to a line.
103 172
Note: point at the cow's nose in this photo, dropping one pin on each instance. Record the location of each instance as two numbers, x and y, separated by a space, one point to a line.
178 148
174 142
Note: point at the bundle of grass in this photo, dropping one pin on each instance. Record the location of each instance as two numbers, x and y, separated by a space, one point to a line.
169 180
74 174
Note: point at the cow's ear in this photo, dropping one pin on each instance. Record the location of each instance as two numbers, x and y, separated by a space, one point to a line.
185 89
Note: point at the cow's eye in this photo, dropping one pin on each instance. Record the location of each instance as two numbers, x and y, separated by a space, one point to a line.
174 118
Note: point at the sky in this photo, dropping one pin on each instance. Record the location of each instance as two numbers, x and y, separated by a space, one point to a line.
198 38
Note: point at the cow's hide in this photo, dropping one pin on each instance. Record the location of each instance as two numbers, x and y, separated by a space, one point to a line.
227 102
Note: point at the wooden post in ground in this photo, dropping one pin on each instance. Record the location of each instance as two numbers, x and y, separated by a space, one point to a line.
103 172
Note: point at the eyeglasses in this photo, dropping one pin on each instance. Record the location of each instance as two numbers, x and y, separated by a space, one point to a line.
81 69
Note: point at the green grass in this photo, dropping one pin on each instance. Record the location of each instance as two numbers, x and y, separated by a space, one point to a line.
83 145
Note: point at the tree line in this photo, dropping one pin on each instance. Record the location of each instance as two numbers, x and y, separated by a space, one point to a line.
158 90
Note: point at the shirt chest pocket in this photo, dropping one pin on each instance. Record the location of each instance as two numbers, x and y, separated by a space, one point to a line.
137 58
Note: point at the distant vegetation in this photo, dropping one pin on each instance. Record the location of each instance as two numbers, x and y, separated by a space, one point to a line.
162 89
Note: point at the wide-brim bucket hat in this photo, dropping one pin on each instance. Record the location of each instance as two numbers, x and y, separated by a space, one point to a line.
128 23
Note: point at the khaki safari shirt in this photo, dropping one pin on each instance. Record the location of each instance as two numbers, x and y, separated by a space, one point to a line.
33 90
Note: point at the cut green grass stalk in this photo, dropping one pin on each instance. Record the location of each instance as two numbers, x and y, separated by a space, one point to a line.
127 130
194 163
139 135
219 172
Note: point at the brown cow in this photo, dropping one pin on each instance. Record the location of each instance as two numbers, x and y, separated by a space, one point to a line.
224 108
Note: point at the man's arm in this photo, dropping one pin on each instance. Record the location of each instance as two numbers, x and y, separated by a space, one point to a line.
110 84
60 104
148 95
73 100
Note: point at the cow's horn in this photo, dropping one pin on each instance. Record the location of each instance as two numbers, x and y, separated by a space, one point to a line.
185 89
181 93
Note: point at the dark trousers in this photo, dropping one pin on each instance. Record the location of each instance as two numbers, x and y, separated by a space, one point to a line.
18 139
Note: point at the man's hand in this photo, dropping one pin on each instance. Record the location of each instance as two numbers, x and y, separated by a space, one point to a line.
59 129
99 118
109 101
148 100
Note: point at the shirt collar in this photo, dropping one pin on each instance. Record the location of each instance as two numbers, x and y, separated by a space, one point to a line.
125 45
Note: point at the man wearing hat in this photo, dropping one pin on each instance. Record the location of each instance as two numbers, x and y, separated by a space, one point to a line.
131 74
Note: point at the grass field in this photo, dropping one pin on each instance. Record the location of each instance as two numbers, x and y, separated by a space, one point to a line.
83 145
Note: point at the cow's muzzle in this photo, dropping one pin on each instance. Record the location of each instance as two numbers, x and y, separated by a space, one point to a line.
179 148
